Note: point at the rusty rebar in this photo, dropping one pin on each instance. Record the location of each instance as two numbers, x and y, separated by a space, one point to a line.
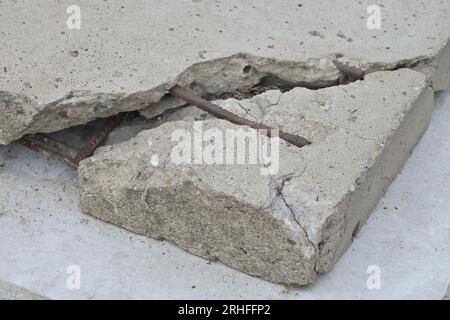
59 146
57 150
89 148
36 145
218 112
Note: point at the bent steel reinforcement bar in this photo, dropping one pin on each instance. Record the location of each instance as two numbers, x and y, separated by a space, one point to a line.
218 112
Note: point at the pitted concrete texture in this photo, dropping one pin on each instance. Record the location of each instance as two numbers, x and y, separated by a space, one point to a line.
285 227
127 53
12 292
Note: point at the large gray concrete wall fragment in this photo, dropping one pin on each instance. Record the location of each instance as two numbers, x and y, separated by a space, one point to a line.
286 227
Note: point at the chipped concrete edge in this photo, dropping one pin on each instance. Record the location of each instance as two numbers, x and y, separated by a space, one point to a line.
441 78
208 78
353 212
21 115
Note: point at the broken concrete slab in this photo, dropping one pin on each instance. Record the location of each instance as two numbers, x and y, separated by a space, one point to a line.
12 292
125 55
196 196
286 227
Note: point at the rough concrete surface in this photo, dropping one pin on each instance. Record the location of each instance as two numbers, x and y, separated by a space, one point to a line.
285 227
127 53
12 292
43 232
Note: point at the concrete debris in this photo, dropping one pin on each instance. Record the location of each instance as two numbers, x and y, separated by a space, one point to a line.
358 85
287 226
103 68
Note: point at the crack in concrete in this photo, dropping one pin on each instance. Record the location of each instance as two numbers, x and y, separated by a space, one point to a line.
281 196
278 186
246 112
212 78
209 79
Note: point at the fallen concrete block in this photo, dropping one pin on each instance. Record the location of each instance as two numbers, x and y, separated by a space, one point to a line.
286 218
124 57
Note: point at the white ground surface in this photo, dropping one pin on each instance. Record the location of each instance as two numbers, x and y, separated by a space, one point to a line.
42 233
